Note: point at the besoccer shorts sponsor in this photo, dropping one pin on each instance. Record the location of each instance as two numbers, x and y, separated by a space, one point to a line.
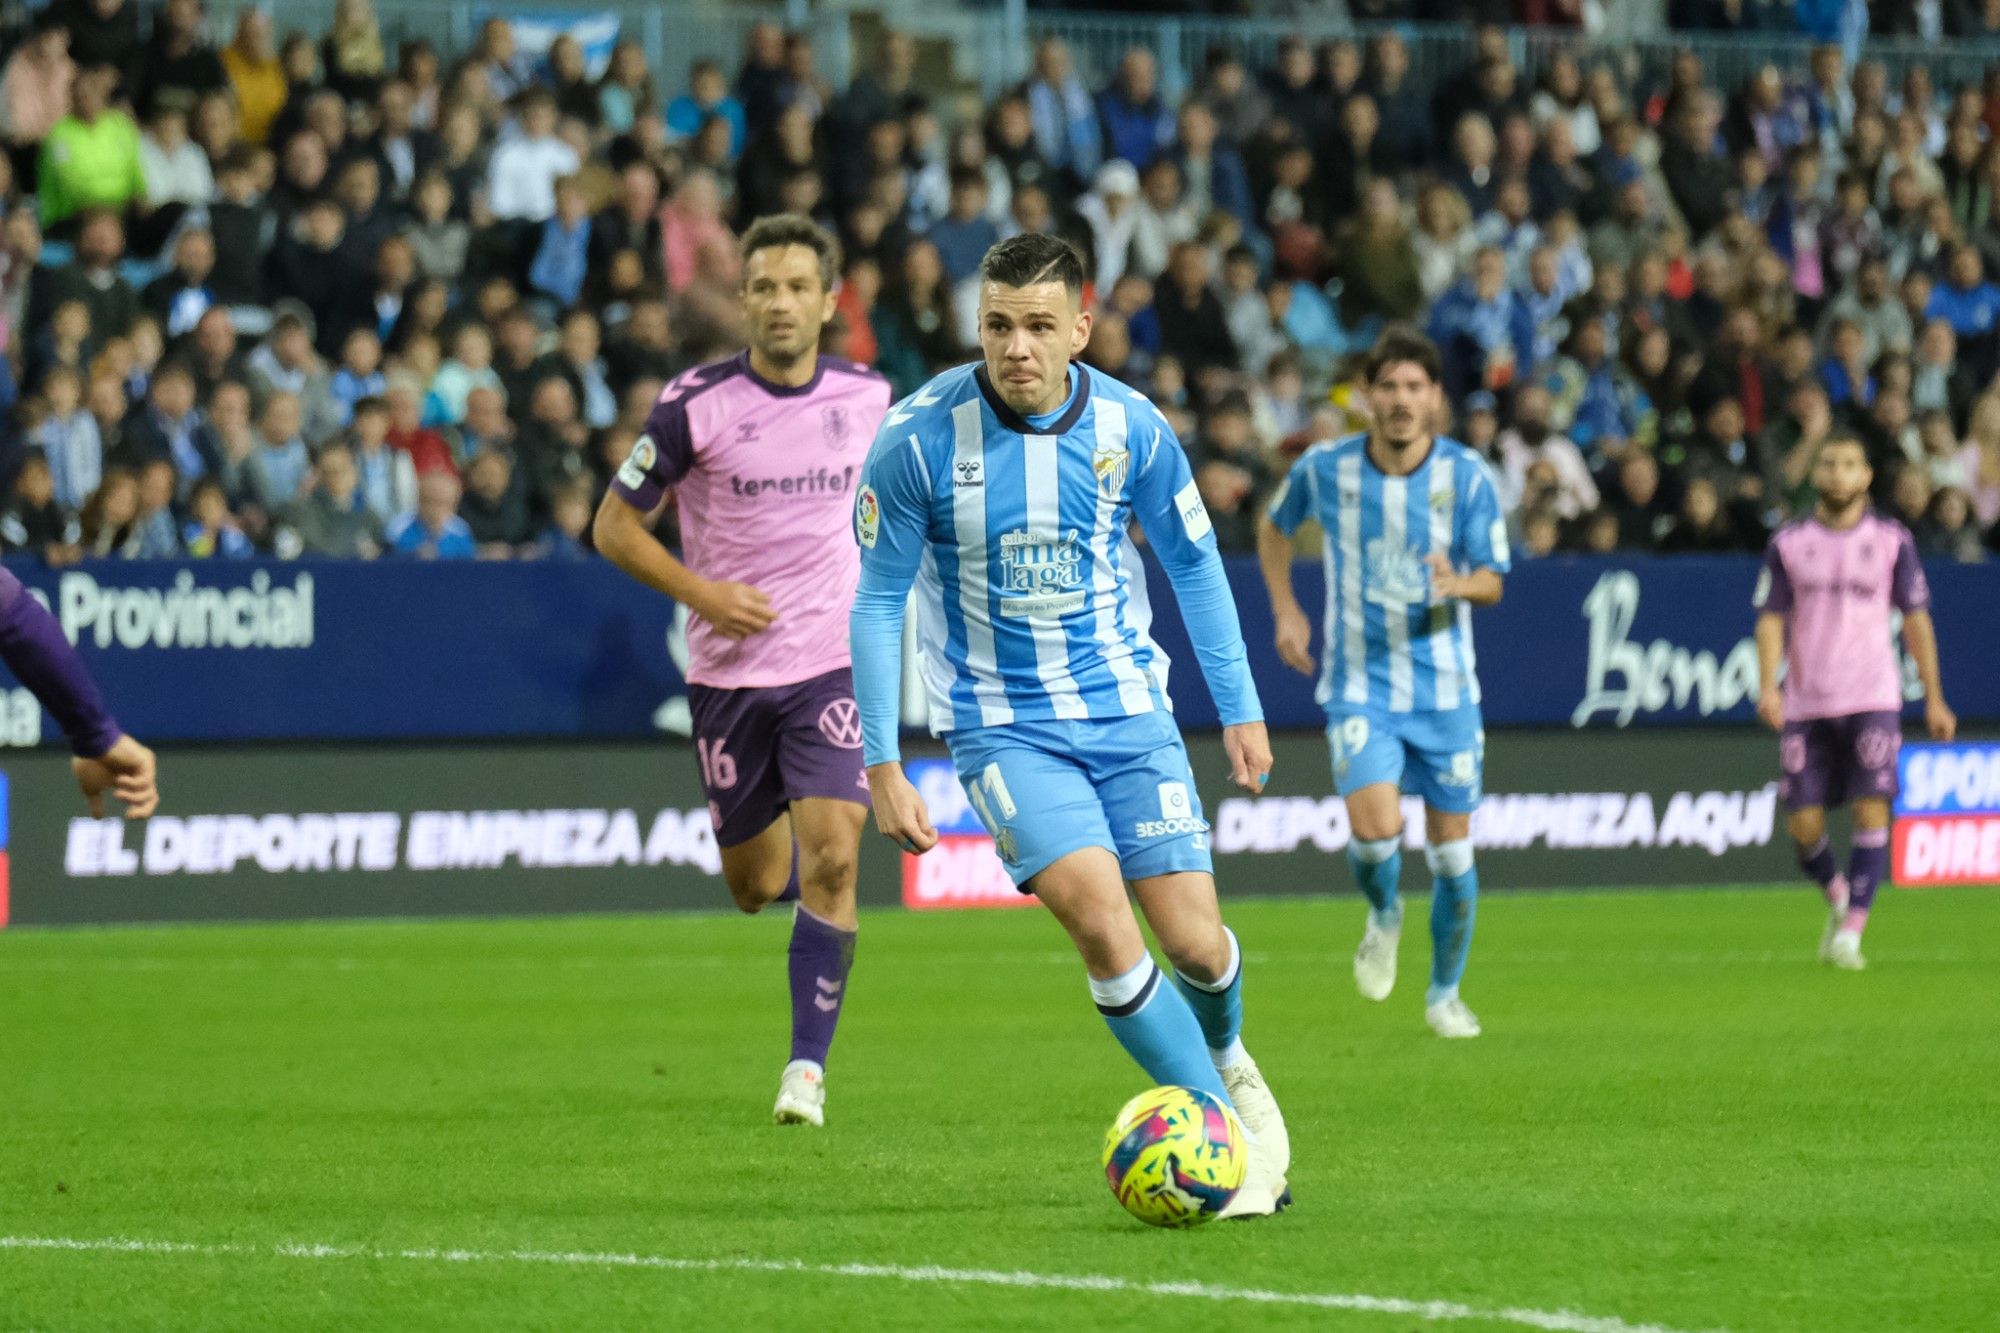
1440 756
1830 761
1046 789
760 749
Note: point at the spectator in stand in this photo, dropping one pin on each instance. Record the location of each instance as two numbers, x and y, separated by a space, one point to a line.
1138 126
211 530
256 75
1531 440
33 522
562 257
521 182
494 508
1067 128
332 519
508 71
167 428
178 66
110 516
35 91
1193 328
155 535
68 439
90 160
433 530
276 475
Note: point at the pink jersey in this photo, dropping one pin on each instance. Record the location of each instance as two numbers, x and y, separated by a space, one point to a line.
765 479
1835 588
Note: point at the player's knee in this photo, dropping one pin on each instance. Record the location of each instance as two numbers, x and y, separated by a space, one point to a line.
1806 827
752 892
1203 957
828 868
1451 861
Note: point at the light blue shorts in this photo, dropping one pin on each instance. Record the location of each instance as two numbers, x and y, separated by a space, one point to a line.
1046 789
1440 756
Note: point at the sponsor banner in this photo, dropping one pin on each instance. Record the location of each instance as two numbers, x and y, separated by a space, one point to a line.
406 650
1600 643
964 869
1947 815
1683 807
257 651
338 831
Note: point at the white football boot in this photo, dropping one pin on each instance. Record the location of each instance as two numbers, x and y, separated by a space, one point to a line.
1836 913
1844 951
1450 1018
1375 960
1259 1111
1263 1193
801 1095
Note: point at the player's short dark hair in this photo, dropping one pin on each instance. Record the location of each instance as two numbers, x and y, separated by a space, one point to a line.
1032 258
780 230
1400 344
1838 437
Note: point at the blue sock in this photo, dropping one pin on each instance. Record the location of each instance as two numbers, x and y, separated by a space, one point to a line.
1218 1006
1378 865
1454 904
1156 1028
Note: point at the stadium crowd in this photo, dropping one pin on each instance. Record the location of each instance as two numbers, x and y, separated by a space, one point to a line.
312 296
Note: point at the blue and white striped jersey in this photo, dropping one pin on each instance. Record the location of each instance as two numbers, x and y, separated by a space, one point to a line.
1030 595
1389 647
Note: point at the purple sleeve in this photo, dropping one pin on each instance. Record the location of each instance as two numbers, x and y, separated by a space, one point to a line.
1909 590
662 456
34 649
1774 586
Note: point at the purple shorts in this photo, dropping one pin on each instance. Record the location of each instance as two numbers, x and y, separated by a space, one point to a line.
762 749
1830 761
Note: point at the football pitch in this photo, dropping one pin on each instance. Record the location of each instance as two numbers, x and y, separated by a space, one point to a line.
1676 1120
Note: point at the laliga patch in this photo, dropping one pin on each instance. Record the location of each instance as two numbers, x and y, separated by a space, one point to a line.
1194 514
638 463
867 517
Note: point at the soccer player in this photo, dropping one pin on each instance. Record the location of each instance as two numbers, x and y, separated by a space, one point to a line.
1414 539
1823 602
104 759
1005 491
764 452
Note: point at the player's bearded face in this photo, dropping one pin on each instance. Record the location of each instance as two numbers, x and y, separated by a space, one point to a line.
1029 335
786 302
1841 476
1405 403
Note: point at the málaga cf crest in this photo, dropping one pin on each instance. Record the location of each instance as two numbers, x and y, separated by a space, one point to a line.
1109 463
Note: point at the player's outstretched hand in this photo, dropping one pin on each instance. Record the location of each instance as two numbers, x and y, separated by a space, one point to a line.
899 809
1249 750
737 610
1943 723
128 771
1295 634
1771 709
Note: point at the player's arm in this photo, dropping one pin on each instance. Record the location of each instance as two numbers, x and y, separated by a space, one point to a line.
1275 526
1911 592
891 522
662 457
1773 600
1478 576
105 759
1168 507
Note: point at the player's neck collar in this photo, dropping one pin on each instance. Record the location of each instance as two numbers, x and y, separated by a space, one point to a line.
783 390
1368 452
1079 399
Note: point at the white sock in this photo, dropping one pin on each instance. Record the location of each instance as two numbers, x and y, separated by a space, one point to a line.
1229 1055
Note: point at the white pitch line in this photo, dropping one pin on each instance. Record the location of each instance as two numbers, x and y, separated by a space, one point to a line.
1554 1321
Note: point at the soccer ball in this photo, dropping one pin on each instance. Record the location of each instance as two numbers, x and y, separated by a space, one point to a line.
1175 1157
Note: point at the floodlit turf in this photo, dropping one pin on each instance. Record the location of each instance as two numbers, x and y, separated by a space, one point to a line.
1676 1117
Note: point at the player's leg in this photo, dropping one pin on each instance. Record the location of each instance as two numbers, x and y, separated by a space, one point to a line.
1368 773
819 759
762 869
1807 774
1140 768
1872 742
1867 867
735 741
1447 755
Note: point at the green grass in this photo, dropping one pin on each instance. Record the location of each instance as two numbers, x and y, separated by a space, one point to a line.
1676 1116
